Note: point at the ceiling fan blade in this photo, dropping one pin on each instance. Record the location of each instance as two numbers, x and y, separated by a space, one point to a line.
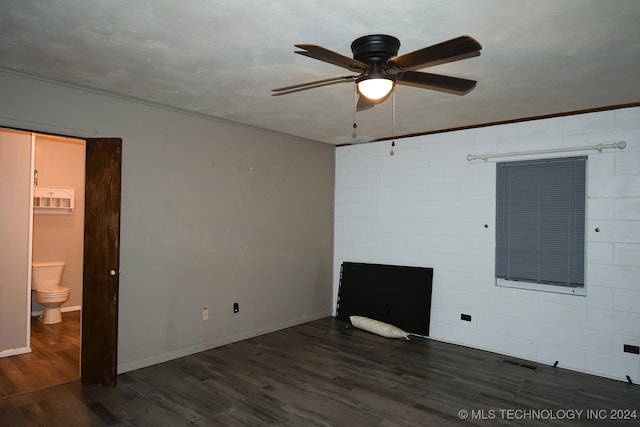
454 85
448 51
312 85
326 55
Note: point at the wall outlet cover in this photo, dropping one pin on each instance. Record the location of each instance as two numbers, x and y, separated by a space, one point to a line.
634 349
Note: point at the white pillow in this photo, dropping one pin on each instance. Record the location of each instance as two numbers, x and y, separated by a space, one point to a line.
377 327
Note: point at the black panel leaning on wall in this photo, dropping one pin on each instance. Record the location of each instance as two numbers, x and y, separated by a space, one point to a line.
398 295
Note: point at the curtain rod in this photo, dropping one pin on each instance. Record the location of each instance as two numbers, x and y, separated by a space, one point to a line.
620 144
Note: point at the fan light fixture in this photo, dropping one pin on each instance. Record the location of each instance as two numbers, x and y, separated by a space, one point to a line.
375 88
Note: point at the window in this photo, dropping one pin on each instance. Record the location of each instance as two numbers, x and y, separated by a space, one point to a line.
540 224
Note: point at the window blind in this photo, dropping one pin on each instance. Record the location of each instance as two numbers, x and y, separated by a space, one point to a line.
540 220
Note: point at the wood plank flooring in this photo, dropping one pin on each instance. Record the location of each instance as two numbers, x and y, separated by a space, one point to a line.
325 374
54 358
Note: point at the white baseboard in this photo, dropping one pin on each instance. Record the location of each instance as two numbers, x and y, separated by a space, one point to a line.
15 351
197 348
37 313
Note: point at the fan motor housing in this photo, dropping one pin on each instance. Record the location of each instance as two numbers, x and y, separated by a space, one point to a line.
375 48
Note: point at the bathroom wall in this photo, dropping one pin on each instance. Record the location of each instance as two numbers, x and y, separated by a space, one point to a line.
212 213
60 163
15 219
428 206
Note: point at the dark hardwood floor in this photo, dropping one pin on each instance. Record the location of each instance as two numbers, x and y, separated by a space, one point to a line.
325 374
54 358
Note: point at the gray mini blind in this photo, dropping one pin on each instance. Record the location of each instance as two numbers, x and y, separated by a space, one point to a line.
540 220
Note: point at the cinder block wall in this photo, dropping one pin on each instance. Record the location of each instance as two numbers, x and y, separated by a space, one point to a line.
428 206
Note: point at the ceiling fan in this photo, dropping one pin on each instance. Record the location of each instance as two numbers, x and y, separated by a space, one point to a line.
379 67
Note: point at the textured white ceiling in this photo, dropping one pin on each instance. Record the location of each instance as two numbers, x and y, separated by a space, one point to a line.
222 58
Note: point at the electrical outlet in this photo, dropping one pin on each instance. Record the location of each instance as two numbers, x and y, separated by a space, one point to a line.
631 349
465 317
236 307
205 314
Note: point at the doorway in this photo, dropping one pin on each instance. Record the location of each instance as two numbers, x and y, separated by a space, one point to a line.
100 264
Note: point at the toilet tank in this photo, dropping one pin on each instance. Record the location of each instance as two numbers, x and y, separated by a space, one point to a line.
46 274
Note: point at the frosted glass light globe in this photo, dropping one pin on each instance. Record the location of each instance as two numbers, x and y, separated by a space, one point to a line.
375 88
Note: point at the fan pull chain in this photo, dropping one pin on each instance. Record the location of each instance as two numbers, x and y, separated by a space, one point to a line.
393 123
355 105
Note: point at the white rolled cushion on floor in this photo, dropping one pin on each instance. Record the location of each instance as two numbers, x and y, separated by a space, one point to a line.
377 327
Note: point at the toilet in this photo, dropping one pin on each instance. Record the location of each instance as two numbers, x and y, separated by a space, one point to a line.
45 281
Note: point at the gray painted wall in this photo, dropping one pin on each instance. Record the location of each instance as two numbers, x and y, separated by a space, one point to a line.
212 214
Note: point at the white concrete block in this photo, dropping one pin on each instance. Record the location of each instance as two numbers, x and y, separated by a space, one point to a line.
589 340
504 325
572 299
600 208
601 164
460 208
359 209
614 186
540 129
628 163
516 307
600 253
459 301
578 338
613 231
441 330
473 338
575 140
567 357
398 209
351 194
627 208
615 322
457 246
627 254
628 300
403 177
614 276
562 314
386 193
628 118
514 346
612 366
486 172
599 297
428 209
485 245
550 297
489 137
435 192
352 223
477 190
590 122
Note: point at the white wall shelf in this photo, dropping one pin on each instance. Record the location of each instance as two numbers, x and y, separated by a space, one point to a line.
53 200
